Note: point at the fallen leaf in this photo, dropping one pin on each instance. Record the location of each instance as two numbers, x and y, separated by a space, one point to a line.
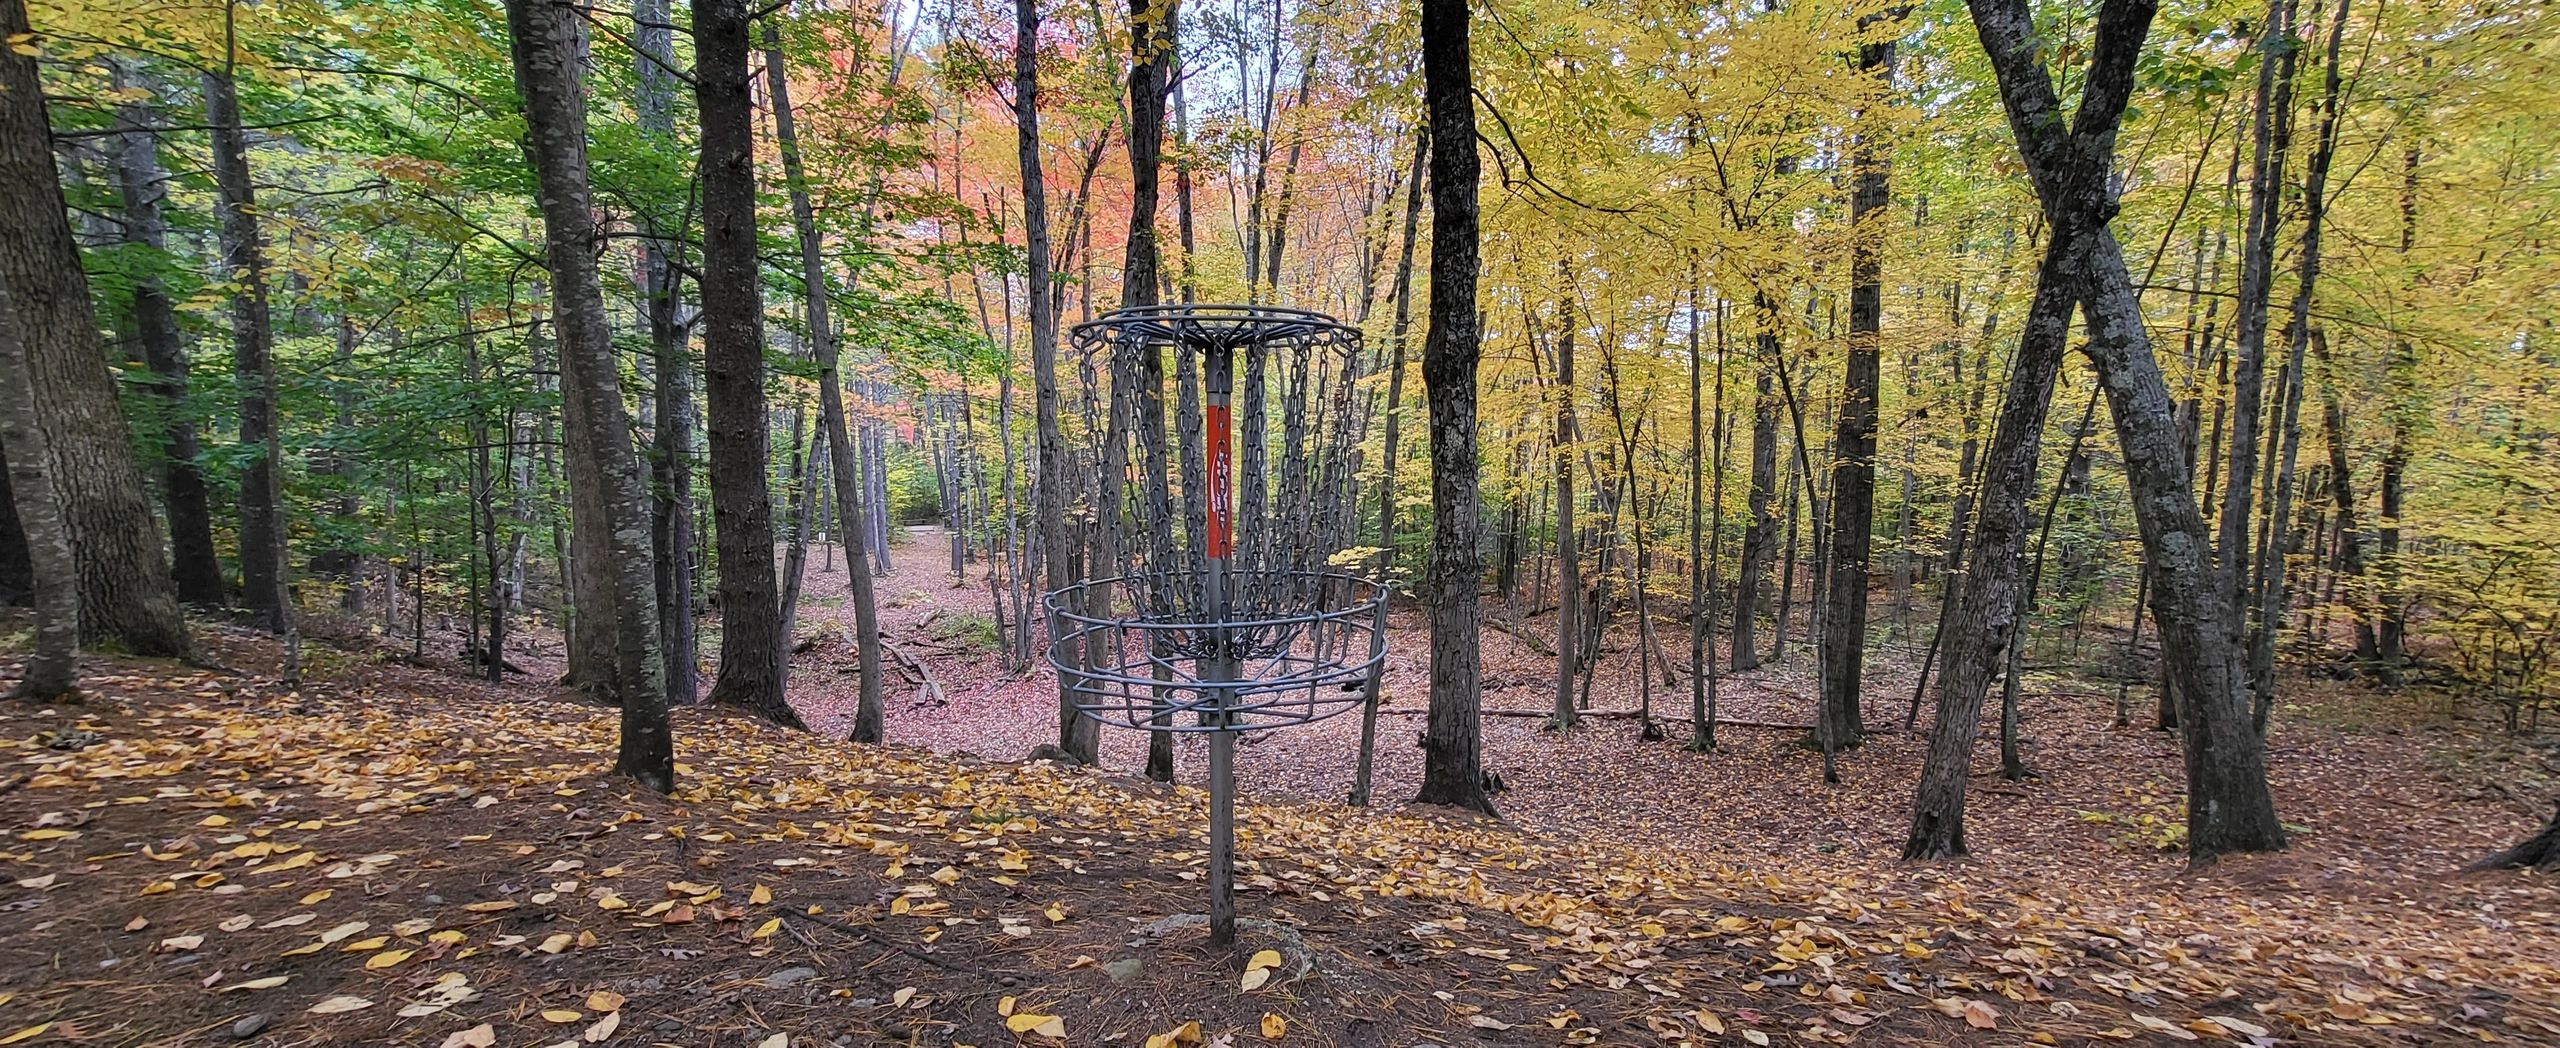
181 943
342 1003
1263 959
386 959
605 1001
900 998
766 930
604 1028
481 1036
1980 1016
1254 979
1274 1027
267 983
1487 1022
28 1034
555 942
1707 1021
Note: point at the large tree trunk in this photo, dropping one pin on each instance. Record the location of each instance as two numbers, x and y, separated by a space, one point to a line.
1853 456
53 664
870 716
125 594
548 40
1452 770
253 352
751 641
671 454
195 568
2228 805
1078 735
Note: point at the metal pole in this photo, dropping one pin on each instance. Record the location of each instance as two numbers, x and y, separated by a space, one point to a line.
1218 367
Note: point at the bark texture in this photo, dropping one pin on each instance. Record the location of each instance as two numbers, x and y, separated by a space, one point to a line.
1452 769
125 594
547 45
751 640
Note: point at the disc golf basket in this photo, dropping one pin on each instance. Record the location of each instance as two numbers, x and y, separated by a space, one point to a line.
1244 624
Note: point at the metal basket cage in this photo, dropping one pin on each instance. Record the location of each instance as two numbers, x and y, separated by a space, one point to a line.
1301 652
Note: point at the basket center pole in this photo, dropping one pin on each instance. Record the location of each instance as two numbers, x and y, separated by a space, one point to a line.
1218 368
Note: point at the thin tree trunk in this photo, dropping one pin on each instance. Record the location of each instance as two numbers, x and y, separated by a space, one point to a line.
1853 457
196 570
1077 735
1388 460
870 712
252 349
1568 557
672 448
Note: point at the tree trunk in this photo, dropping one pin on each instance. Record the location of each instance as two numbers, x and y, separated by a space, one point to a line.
1078 735
125 592
1853 456
253 353
548 41
2229 807
1149 53
1452 772
751 643
870 711
1760 533
196 569
53 661
1388 459
671 501
2273 132
1568 556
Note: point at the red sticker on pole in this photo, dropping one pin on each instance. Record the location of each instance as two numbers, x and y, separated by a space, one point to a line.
1221 535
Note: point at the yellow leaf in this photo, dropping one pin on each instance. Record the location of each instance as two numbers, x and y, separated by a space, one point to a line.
447 937
319 896
605 1001
48 835
1178 1037
1056 913
555 943
1263 959
561 1015
1036 1023
760 896
1707 1021
385 959
1274 1027
945 876
32 1032
268 983
1253 980
157 887
361 945
495 906
216 821
766 930
612 902
900 998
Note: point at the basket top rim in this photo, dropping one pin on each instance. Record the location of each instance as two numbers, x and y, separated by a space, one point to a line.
1215 324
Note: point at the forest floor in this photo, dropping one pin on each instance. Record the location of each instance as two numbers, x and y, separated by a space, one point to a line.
392 854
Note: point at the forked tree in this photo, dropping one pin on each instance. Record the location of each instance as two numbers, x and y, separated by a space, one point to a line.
548 43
